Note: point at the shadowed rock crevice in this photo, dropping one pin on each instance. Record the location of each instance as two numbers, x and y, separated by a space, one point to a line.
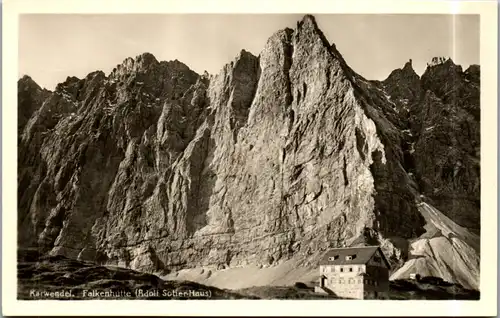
244 80
287 64
360 143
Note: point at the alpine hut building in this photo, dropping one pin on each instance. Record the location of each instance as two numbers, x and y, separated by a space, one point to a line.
354 272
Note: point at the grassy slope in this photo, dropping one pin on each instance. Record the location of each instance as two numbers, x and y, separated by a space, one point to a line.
58 273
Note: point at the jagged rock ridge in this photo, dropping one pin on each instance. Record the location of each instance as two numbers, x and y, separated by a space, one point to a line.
277 157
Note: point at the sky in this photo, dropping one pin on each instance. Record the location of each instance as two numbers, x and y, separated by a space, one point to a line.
54 46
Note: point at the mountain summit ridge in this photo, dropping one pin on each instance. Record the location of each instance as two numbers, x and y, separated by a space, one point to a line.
276 158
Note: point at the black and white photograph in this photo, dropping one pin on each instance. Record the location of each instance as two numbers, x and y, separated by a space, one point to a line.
250 156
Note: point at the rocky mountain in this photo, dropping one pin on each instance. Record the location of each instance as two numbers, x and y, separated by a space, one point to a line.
275 159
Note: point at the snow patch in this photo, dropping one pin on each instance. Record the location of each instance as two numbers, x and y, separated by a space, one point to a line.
412 147
407 131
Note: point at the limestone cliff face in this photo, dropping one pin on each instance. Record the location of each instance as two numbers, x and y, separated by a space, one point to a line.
279 156
446 129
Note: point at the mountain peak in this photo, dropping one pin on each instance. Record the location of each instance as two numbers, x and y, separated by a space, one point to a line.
244 54
409 70
473 68
25 78
408 65
441 60
309 20
450 61
27 83
310 29
441 65
146 58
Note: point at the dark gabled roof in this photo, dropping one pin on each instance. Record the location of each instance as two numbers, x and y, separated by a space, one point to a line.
361 255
